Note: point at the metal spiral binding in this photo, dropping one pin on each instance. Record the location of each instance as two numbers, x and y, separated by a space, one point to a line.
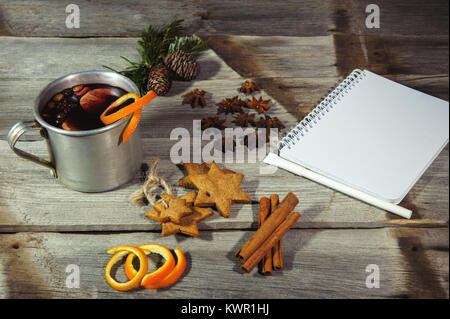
332 99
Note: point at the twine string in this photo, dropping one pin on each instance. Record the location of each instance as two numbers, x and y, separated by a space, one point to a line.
151 182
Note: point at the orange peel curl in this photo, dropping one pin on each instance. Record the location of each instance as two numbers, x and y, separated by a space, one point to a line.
121 251
158 274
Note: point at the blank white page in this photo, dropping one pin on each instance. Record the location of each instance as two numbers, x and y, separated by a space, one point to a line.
379 138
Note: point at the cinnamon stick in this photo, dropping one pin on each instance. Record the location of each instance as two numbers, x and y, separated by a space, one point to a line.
277 258
286 206
274 201
278 234
265 266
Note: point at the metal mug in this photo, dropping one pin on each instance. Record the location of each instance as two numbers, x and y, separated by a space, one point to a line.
87 161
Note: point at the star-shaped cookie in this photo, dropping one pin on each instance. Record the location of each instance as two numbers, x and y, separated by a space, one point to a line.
177 208
187 224
196 169
219 189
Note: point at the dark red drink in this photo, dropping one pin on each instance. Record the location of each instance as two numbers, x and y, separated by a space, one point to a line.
79 108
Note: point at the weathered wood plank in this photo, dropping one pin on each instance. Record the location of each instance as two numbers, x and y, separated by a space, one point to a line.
328 56
22 77
39 18
253 56
253 17
96 18
413 263
300 95
114 212
407 54
313 58
412 17
297 72
158 118
61 209
276 56
50 58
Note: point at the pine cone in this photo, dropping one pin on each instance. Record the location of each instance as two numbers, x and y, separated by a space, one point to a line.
159 79
182 64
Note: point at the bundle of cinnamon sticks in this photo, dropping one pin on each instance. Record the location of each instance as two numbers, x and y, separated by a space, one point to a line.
264 247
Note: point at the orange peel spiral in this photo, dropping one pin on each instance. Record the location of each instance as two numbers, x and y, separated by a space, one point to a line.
136 107
158 274
132 125
121 251
107 118
171 278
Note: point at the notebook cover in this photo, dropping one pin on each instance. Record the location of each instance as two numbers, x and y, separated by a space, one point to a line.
379 138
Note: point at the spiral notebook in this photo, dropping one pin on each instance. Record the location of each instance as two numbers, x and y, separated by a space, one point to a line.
371 134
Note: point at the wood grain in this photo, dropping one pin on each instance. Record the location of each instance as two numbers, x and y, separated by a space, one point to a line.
319 264
39 18
297 51
299 71
61 209
252 17
322 207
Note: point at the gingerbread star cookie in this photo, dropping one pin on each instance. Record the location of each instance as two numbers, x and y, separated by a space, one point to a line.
219 189
177 208
187 224
196 169
189 198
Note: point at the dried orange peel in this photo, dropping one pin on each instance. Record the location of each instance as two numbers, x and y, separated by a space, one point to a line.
131 127
120 252
110 116
171 278
158 274
107 117
164 276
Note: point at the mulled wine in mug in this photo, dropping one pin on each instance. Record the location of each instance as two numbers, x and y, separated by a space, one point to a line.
84 154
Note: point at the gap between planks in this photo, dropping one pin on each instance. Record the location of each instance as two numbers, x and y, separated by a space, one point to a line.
93 229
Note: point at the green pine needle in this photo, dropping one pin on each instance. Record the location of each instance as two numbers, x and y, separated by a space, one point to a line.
154 45
192 44
173 30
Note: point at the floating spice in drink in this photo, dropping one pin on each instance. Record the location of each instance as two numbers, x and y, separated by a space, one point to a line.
79 108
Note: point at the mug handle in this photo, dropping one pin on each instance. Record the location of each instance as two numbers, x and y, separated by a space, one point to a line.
14 135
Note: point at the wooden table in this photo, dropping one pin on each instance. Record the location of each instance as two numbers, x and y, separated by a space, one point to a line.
297 51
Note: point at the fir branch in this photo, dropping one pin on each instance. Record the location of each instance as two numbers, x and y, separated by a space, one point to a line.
173 31
110 68
192 44
149 46
136 72
155 43
139 75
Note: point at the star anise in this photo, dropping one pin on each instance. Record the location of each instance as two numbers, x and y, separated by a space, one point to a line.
195 98
269 122
244 120
260 105
231 105
249 87
213 121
